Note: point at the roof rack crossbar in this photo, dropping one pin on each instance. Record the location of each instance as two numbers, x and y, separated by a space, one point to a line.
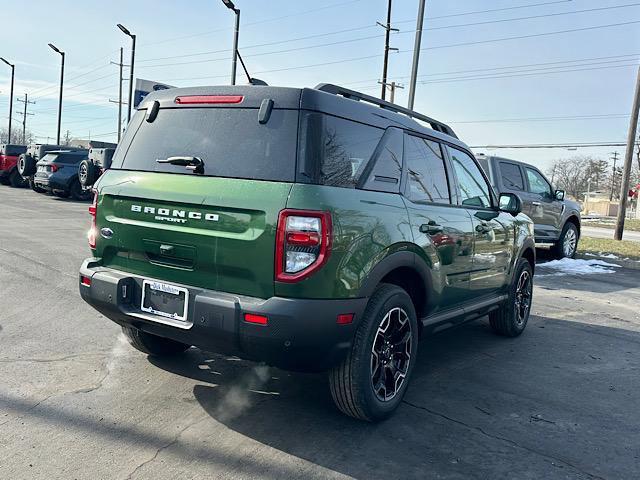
354 95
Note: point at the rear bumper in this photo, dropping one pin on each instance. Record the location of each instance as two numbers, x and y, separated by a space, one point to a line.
301 335
41 181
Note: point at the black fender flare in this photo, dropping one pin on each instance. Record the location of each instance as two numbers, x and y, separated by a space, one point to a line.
527 244
391 262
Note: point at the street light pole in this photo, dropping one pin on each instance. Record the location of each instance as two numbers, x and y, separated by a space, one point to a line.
13 68
133 58
236 34
57 50
416 55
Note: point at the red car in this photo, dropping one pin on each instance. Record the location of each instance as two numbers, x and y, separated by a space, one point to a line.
8 159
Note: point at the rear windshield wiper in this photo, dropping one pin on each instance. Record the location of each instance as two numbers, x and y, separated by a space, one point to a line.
192 163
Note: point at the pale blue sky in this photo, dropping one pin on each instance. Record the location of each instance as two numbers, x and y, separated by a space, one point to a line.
590 72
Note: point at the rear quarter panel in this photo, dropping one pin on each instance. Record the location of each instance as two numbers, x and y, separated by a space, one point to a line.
367 227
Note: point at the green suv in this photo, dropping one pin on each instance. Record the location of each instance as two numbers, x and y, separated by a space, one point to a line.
312 229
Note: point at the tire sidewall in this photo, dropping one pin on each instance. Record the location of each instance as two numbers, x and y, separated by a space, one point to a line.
523 264
377 409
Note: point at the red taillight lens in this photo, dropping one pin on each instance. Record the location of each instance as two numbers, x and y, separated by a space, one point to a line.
93 231
303 243
256 319
200 99
344 319
86 281
53 168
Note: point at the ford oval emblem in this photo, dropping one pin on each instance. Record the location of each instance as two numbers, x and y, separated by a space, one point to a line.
106 232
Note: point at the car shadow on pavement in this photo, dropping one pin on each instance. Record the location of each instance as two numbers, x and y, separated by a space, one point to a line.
557 401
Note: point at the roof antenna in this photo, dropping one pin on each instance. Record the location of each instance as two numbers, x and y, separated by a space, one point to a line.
252 81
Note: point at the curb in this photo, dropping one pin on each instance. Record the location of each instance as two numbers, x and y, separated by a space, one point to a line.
631 264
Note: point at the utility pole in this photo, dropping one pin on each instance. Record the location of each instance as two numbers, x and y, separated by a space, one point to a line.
26 102
119 102
236 33
613 175
628 156
394 85
416 55
13 68
385 65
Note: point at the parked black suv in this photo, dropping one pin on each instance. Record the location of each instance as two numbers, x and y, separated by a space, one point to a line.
312 229
556 218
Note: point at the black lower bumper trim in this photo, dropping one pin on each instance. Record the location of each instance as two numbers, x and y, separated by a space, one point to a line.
301 334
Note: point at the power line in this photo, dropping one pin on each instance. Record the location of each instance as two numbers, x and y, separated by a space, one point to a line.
553 145
476 42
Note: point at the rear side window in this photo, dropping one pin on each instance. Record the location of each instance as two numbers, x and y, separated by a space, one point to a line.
69 158
13 150
346 149
511 176
230 141
474 190
426 173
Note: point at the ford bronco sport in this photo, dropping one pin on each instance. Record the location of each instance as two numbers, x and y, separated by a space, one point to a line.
311 229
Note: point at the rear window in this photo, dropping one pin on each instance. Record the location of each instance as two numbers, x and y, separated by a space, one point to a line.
64 157
511 176
230 141
13 150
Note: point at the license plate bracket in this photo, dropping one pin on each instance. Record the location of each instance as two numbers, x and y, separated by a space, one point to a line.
165 300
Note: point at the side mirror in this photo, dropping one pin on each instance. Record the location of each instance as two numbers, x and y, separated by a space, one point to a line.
559 195
510 203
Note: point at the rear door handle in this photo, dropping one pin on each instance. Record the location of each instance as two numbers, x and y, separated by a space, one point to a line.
431 228
536 204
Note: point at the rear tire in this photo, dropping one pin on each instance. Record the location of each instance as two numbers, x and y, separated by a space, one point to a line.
87 173
511 318
152 344
567 244
26 165
16 180
4 180
370 382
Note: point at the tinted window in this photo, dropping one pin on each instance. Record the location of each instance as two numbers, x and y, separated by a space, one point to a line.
537 183
474 190
230 141
13 150
426 174
346 149
386 166
511 176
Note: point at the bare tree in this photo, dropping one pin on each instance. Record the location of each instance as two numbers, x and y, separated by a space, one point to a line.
16 136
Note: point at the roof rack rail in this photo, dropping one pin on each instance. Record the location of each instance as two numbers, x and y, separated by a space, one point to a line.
353 95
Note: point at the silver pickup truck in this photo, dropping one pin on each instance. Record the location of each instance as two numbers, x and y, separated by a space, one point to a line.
556 219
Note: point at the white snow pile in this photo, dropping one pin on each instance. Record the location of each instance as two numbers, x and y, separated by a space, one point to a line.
570 266
602 255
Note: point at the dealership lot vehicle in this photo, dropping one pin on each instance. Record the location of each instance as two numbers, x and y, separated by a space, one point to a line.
90 169
8 160
557 402
556 219
57 173
306 228
27 162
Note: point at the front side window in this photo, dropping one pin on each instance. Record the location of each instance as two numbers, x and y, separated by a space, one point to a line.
427 177
474 190
511 176
537 183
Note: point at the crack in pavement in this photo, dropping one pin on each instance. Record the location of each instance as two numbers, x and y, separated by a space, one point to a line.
164 447
52 360
503 439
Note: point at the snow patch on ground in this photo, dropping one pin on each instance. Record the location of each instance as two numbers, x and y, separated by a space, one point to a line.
603 255
570 266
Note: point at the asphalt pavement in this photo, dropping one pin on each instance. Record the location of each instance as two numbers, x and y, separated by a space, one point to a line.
76 402
597 232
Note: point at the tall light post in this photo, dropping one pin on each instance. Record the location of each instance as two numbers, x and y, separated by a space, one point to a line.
416 55
57 50
133 57
13 68
234 62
